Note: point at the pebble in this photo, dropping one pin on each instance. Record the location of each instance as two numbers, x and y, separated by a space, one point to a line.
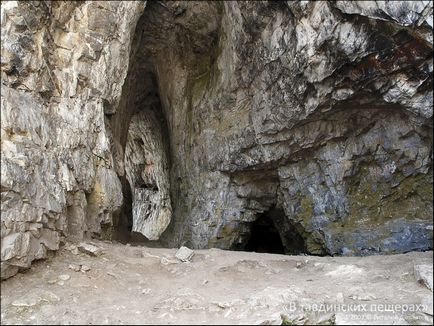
85 268
64 277
146 291
74 267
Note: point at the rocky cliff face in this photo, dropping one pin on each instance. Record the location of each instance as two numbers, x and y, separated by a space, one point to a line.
188 121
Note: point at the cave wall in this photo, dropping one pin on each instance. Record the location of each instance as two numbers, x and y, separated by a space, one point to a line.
322 110
62 68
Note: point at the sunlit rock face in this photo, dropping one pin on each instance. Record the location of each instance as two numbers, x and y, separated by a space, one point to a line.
63 66
147 170
188 121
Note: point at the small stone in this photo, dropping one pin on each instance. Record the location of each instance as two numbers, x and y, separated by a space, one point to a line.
112 274
85 268
74 267
424 275
61 283
90 249
52 281
184 254
64 277
146 291
205 282
299 265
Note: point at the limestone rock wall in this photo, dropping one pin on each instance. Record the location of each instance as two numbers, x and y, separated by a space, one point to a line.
147 170
322 110
62 64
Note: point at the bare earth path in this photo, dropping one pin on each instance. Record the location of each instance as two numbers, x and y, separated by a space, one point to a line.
139 285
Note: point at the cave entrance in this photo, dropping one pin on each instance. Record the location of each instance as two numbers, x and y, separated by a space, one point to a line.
264 236
273 233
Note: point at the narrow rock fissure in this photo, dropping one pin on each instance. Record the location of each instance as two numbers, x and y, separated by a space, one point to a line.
146 184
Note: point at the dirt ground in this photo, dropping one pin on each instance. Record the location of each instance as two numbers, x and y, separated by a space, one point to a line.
140 285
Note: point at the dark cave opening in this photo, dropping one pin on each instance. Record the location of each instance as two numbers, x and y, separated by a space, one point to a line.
272 232
264 237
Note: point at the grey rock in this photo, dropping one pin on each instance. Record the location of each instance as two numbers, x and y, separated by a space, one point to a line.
424 275
8 270
184 254
85 268
74 267
90 249
146 291
147 170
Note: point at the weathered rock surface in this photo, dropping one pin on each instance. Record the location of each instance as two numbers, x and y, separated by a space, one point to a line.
318 112
60 63
147 170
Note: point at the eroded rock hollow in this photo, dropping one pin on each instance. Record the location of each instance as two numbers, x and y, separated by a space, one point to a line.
147 170
203 123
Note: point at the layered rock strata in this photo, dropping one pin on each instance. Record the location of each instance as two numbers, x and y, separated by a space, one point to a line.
318 114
